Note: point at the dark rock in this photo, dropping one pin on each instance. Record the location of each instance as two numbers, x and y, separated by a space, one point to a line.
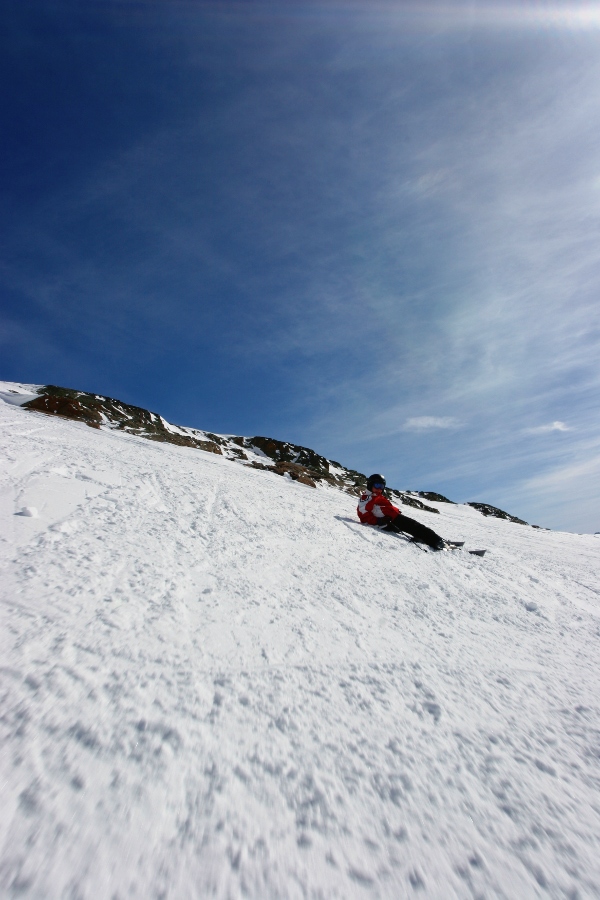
408 500
487 510
296 472
301 463
67 407
282 451
431 495
94 409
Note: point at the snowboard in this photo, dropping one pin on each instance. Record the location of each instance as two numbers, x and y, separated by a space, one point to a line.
456 545
451 545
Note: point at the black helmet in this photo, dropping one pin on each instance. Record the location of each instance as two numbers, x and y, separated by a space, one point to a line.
375 479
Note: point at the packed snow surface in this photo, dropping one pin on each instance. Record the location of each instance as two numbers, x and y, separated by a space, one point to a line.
216 683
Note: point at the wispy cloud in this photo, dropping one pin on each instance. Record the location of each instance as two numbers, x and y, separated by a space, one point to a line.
563 495
430 423
498 16
546 429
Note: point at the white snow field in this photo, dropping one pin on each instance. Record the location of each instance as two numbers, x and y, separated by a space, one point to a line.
216 683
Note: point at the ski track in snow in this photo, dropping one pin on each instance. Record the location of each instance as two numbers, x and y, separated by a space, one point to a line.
215 684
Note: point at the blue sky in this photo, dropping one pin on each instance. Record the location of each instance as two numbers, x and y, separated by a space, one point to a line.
368 228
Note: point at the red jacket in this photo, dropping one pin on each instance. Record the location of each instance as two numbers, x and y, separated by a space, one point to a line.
374 507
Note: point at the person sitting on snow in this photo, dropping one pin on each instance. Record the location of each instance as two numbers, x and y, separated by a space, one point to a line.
374 508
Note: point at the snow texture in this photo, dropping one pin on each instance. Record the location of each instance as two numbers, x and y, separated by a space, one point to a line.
216 683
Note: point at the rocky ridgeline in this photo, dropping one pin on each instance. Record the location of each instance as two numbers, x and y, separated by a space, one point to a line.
484 508
487 510
299 463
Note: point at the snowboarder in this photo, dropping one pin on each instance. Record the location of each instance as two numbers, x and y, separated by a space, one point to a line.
374 508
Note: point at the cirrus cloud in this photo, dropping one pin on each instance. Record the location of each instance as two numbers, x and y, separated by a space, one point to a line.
429 423
546 429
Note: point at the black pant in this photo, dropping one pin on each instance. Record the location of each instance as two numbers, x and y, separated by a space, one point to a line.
410 526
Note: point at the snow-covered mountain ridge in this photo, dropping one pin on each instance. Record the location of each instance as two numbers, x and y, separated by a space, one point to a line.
216 683
298 463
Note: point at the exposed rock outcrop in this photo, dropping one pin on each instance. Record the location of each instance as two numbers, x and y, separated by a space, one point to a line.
487 510
96 410
431 495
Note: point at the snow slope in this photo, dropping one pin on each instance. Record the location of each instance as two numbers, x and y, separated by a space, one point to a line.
215 683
